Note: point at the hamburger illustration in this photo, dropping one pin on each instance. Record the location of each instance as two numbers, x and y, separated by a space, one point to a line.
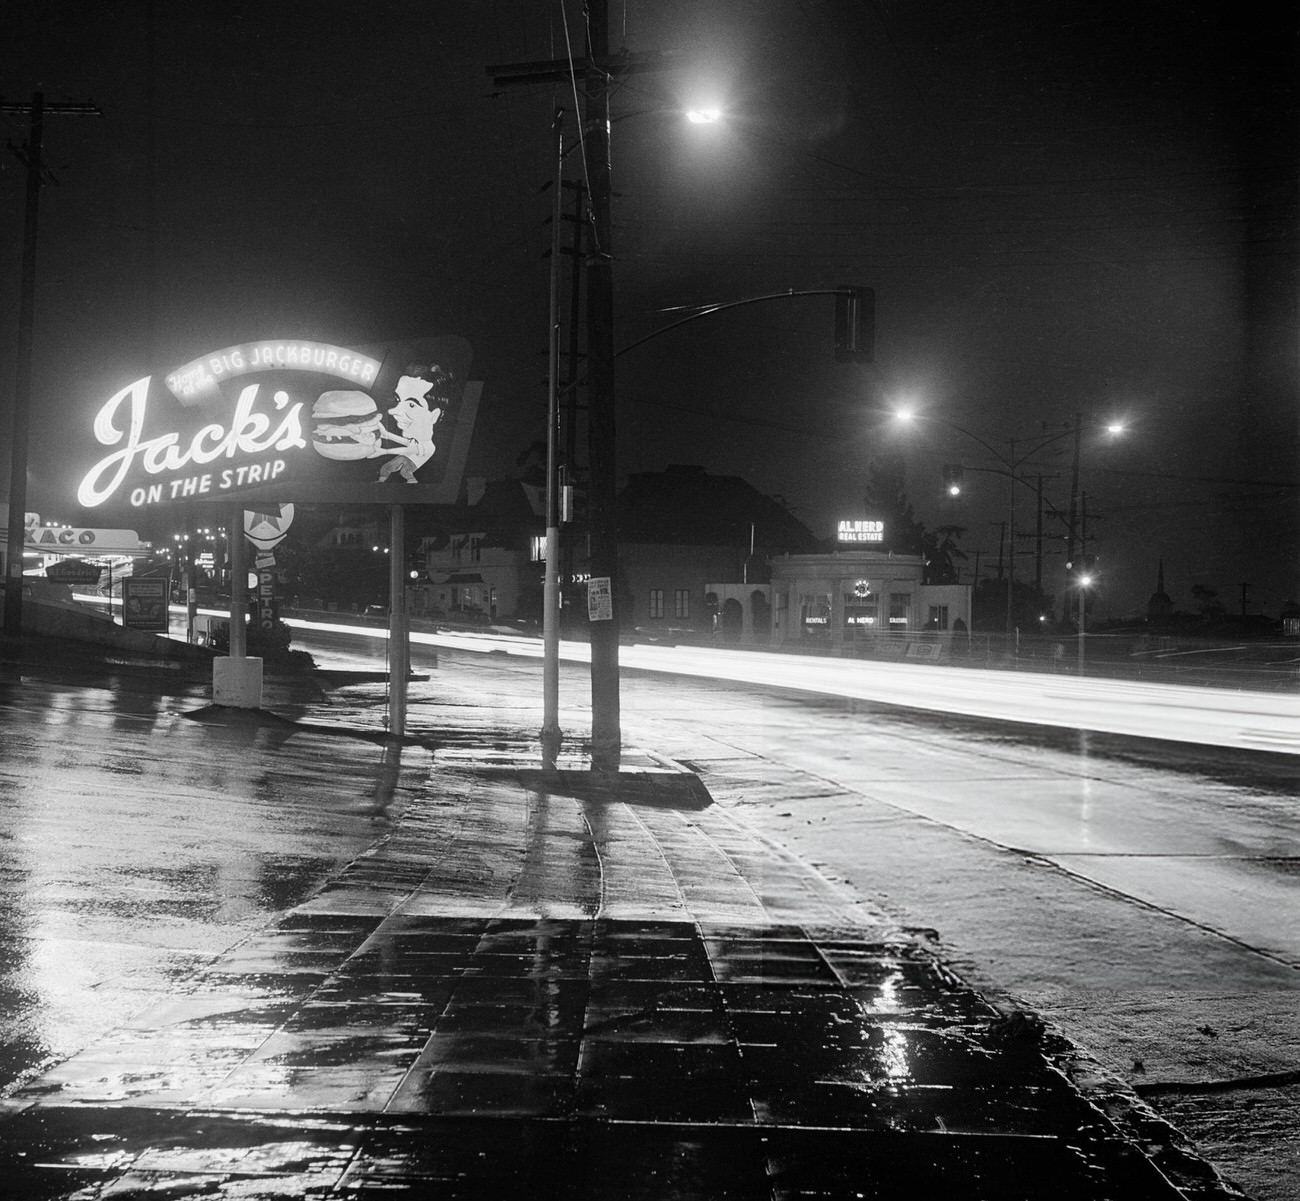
347 426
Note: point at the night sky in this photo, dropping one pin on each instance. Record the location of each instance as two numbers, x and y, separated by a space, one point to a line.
1067 208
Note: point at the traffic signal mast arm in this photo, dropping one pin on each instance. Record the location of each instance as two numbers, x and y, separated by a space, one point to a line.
855 315
855 318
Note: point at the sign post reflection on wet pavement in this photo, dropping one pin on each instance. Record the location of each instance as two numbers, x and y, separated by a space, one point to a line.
398 649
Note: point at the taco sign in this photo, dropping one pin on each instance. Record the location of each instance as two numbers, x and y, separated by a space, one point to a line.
288 420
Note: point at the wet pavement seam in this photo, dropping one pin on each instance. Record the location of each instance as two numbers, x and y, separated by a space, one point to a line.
681 895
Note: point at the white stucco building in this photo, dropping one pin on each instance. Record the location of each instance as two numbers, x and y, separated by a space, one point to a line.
851 600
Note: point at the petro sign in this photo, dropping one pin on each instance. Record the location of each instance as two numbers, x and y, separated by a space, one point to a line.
290 420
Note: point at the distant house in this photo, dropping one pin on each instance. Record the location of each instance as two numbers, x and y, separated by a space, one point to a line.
682 528
483 559
678 529
477 560
354 533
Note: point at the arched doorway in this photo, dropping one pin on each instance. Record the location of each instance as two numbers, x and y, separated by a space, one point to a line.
733 620
760 609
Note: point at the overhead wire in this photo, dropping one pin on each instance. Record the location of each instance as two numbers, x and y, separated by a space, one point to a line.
573 87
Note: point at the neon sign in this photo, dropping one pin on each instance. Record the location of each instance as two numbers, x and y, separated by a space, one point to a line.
249 433
268 420
68 540
861 531
199 380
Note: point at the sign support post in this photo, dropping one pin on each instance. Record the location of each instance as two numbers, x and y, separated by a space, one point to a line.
237 679
238 586
551 735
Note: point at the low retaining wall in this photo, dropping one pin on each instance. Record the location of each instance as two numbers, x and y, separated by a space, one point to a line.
57 621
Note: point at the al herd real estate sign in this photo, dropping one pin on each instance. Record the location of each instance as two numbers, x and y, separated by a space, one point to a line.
290 420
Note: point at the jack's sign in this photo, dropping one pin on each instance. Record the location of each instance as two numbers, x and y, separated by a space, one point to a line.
290 420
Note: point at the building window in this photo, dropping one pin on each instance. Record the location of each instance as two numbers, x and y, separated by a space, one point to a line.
682 602
938 619
900 604
861 613
656 602
815 614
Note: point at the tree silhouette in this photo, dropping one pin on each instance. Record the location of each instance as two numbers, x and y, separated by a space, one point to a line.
886 500
941 554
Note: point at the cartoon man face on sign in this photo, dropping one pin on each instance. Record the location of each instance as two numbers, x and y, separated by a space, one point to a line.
416 412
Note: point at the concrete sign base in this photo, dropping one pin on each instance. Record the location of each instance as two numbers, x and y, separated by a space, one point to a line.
237 683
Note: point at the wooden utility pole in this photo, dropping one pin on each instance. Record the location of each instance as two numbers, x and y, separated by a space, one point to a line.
573 372
606 732
595 71
552 735
19 429
1038 545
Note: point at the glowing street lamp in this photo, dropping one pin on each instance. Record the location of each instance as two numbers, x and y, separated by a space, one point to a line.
1085 582
906 414
953 485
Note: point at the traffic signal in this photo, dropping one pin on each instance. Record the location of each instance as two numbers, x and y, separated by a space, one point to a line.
855 325
953 479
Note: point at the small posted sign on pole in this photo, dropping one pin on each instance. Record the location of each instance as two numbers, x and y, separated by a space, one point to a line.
600 599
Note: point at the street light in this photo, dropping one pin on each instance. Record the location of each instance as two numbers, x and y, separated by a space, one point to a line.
606 735
599 69
1009 464
1085 581
1114 427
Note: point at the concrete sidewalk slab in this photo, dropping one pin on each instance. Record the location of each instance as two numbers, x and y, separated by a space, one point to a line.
552 986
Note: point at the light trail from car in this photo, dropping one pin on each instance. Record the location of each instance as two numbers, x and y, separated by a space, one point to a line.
1258 721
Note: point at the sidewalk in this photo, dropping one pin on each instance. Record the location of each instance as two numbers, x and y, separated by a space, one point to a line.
566 984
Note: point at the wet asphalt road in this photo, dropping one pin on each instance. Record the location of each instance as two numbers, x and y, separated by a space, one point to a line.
247 957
